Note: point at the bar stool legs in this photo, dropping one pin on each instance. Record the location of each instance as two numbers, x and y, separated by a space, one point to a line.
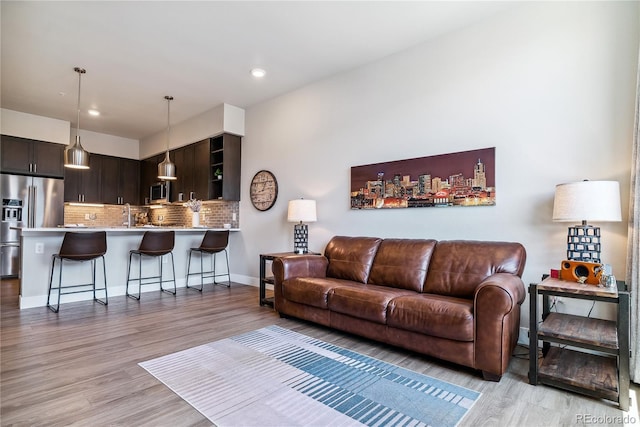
140 278
213 243
207 274
155 244
79 247
60 288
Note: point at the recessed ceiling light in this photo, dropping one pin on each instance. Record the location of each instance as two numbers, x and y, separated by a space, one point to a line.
258 73
94 112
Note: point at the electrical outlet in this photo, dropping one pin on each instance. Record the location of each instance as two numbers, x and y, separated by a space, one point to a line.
87 216
235 217
39 248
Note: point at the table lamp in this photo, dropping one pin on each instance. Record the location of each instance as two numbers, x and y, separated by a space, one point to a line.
586 201
300 211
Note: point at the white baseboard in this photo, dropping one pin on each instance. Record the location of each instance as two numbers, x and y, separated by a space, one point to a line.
114 291
245 280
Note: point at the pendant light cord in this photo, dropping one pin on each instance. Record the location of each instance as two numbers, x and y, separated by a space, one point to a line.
78 122
169 99
80 72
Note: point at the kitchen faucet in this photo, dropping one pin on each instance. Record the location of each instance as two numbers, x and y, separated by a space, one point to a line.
127 209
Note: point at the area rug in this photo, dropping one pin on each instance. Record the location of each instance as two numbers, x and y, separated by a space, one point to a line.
276 377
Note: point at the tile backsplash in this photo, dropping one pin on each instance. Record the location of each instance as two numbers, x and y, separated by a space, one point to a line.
213 214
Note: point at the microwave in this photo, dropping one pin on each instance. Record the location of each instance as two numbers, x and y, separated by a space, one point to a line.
159 192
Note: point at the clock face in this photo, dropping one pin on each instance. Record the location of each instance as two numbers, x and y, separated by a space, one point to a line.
264 190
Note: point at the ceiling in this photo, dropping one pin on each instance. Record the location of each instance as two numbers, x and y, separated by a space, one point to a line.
201 53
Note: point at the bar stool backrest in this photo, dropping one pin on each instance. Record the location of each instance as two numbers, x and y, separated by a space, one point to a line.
157 242
214 241
83 246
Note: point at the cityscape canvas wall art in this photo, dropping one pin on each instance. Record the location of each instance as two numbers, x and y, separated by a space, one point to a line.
466 178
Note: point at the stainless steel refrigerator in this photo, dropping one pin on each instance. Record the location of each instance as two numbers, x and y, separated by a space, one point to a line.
27 202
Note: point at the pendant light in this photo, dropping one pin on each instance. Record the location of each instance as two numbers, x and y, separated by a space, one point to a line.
167 169
75 156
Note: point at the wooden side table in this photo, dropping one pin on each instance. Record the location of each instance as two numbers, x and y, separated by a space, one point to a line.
604 374
264 278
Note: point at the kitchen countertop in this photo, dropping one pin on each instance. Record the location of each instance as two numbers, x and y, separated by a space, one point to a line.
25 231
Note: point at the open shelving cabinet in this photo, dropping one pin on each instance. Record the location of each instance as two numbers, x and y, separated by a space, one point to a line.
597 364
224 174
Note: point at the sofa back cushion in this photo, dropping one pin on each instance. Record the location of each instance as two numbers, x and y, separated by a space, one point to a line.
457 267
350 258
402 263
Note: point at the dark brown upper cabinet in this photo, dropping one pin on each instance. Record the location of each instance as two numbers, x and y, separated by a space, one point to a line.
109 180
192 171
197 168
83 185
120 180
149 175
30 157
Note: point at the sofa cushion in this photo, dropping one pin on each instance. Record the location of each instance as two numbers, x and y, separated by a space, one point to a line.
313 291
402 263
367 302
435 315
457 267
350 258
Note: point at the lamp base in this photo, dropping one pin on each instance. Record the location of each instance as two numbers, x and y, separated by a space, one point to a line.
301 238
583 243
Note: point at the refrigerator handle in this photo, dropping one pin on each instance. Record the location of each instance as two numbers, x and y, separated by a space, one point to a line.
32 206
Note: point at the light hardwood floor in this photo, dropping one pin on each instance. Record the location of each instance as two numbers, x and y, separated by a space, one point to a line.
80 366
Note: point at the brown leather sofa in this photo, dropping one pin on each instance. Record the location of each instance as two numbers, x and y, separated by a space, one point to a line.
454 300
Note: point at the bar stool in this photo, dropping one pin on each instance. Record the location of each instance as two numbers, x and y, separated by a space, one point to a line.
79 247
213 242
154 244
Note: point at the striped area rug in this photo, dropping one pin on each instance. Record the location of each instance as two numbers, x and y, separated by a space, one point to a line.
277 377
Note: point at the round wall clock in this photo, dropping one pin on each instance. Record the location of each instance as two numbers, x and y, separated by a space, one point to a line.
263 190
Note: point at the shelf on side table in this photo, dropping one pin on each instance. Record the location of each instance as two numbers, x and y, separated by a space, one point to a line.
267 300
578 370
596 334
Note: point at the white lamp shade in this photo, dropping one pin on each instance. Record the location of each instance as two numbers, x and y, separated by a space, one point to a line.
587 201
302 210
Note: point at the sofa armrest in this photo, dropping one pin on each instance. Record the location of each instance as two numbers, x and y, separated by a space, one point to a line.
497 321
511 284
292 266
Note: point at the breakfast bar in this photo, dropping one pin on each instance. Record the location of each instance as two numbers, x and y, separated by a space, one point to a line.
39 244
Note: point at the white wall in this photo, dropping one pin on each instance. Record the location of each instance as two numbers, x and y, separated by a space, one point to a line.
23 125
223 118
233 120
550 85
110 145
